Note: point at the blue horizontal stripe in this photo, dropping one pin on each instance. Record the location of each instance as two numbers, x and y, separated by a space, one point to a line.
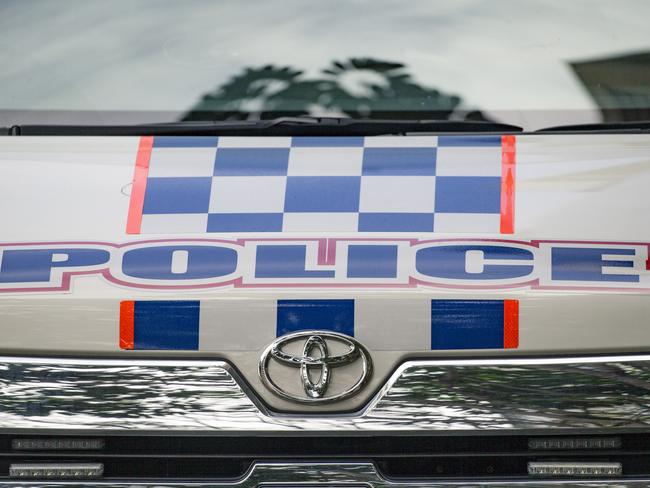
166 325
333 315
466 324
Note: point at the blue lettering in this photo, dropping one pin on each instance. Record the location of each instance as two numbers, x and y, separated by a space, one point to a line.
586 264
155 263
35 265
285 262
372 261
450 262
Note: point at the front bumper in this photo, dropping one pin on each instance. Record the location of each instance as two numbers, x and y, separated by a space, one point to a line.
461 413
326 475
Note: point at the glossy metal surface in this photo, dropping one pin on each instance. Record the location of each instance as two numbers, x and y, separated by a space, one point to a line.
350 474
461 395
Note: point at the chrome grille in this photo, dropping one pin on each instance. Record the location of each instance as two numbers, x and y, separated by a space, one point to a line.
421 396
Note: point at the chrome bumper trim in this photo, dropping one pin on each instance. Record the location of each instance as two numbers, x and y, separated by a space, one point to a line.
333 474
452 395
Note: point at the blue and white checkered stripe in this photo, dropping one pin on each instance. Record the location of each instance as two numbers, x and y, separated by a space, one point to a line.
320 184
389 324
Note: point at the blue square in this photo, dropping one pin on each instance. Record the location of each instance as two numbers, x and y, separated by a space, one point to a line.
322 194
469 141
162 324
372 261
177 195
185 141
395 222
245 222
466 324
468 194
402 161
333 315
251 162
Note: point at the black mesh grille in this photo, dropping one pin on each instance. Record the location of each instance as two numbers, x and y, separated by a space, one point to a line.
396 456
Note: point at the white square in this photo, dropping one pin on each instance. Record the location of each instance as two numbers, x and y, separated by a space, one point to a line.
254 142
244 194
325 161
468 161
182 161
236 324
466 223
320 222
400 141
174 223
393 324
397 194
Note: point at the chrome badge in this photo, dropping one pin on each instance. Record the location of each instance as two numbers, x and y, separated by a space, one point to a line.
316 355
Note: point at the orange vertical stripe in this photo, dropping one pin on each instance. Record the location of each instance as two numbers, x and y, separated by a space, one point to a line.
127 317
510 324
508 160
134 220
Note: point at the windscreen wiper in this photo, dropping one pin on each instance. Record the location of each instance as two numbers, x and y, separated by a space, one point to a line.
632 127
284 126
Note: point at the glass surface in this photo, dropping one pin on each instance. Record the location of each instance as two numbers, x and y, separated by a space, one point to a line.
532 63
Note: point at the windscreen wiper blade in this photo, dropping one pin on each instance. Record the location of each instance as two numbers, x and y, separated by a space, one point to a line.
632 127
284 126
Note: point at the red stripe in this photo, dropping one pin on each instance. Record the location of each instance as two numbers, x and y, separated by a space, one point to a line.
127 317
508 159
139 187
510 324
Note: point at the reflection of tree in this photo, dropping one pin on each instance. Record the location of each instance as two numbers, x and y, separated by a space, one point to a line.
115 396
620 85
358 87
589 395
435 397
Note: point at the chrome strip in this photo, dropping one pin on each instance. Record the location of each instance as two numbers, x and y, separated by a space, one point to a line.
610 392
334 474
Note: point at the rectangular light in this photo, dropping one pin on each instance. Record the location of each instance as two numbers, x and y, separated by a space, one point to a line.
57 444
563 443
56 470
574 469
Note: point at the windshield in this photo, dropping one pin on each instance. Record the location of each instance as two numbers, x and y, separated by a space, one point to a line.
528 63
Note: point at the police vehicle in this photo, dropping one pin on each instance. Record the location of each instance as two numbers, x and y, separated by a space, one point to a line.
346 244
